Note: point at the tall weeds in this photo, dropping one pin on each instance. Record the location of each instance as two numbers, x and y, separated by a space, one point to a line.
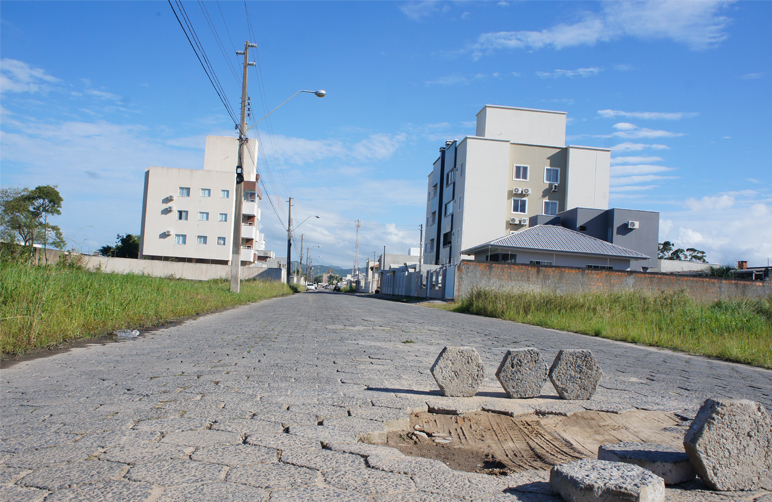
736 330
45 305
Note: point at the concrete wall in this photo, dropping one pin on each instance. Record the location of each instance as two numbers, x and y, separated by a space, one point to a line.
222 153
560 260
587 177
180 270
562 280
522 125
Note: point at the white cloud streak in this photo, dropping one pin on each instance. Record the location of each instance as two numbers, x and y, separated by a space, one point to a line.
579 72
638 169
646 115
18 76
636 147
634 160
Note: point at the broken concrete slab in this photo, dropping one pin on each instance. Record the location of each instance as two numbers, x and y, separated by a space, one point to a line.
575 374
669 463
522 373
730 444
591 480
458 371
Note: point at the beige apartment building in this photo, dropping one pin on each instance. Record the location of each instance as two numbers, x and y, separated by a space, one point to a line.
516 166
187 214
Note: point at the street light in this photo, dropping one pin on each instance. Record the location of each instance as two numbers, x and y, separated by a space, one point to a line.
308 258
236 254
289 238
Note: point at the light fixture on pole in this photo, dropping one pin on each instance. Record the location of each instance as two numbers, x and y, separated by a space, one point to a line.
289 237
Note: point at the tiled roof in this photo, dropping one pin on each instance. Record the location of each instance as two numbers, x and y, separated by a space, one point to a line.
557 239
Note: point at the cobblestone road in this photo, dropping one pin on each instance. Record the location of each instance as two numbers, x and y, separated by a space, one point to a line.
263 402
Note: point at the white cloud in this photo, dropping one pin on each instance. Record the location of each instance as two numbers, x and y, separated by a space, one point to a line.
625 126
462 79
633 160
18 76
623 67
378 146
638 169
748 76
647 133
579 72
646 115
503 4
698 25
103 95
630 188
636 147
631 180
415 11
728 226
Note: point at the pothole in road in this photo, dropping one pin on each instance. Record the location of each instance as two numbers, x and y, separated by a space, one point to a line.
496 444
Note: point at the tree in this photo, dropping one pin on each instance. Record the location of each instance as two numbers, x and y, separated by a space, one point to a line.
664 250
668 251
127 247
24 214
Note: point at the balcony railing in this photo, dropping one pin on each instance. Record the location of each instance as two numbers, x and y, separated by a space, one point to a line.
249 208
248 231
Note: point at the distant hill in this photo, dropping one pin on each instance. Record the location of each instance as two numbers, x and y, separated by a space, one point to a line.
341 271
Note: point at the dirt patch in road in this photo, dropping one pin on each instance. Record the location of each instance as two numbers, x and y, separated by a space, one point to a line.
498 444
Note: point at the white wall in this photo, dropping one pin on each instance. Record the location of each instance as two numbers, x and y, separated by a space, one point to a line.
522 125
222 153
587 173
564 260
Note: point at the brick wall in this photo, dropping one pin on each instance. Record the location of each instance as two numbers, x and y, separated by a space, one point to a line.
565 280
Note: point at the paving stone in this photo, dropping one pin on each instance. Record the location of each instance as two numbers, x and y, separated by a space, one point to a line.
369 481
112 438
529 482
322 460
559 408
323 433
284 441
416 497
506 407
202 438
591 480
76 473
32 441
730 444
607 407
458 371
220 492
272 476
171 424
669 463
8 473
355 425
248 426
33 459
459 484
409 406
364 449
320 411
381 414
316 493
137 453
575 374
20 494
107 491
175 472
233 455
453 406
407 465
522 373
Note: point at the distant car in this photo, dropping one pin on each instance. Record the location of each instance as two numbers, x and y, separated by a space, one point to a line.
311 286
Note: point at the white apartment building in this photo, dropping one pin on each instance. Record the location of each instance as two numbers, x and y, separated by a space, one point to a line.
187 214
516 166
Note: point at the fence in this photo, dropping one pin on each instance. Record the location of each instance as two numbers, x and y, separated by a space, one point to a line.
567 280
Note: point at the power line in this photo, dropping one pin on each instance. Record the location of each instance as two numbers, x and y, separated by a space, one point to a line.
208 69
218 40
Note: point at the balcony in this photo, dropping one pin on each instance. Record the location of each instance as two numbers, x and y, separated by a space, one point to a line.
249 208
247 255
248 232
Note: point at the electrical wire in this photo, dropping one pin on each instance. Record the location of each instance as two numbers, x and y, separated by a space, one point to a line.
219 41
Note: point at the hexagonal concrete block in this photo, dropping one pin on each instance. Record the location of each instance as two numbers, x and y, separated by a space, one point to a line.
458 371
591 480
522 373
670 464
575 374
730 444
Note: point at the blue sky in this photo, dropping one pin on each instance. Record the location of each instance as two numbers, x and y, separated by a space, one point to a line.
93 93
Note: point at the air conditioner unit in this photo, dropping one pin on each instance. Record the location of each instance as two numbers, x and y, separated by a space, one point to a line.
516 191
526 191
170 209
524 221
514 221
171 198
168 233
555 187
633 224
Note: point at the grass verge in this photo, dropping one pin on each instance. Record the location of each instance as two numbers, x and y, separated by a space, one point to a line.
42 306
734 330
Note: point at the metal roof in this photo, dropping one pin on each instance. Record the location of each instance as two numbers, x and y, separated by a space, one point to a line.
557 239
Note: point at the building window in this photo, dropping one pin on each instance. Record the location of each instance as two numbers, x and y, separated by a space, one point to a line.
250 196
221 241
203 216
223 216
201 239
461 171
434 191
431 245
184 192
450 177
551 175
205 192
182 215
519 206
448 208
460 202
224 194
447 239
520 173
180 239
599 267
434 217
550 207
540 262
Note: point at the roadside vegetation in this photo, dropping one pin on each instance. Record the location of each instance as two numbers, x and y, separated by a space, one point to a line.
734 330
44 306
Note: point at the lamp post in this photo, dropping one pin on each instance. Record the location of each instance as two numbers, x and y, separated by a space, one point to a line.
236 248
289 238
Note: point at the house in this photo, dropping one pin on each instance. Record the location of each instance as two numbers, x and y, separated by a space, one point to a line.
558 246
515 167
187 214
631 229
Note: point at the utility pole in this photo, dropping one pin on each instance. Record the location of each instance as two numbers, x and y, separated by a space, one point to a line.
300 255
355 267
236 254
289 241
421 249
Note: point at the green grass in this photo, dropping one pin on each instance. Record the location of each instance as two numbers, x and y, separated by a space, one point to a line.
735 330
42 306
